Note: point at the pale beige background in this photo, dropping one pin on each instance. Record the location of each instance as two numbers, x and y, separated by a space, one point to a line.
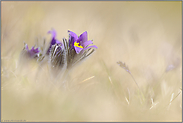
144 35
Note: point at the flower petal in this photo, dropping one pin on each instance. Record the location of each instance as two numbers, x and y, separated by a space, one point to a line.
34 50
53 32
72 38
82 38
58 42
78 49
72 34
26 47
85 44
94 46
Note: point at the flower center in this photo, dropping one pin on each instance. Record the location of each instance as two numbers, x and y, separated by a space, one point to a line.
77 45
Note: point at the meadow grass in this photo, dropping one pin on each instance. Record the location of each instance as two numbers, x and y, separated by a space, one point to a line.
146 86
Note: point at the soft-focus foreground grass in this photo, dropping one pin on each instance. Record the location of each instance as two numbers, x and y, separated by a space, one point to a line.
144 35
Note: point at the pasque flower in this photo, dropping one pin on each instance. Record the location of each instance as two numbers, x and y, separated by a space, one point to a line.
53 41
78 48
79 43
32 52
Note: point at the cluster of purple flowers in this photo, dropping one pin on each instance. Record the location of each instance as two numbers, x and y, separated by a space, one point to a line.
65 53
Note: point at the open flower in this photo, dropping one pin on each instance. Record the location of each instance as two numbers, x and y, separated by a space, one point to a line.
32 52
53 41
80 43
78 48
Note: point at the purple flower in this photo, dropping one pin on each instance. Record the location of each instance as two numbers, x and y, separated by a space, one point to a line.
79 43
54 40
32 52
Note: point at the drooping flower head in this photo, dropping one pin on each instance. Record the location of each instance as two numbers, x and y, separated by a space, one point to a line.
54 40
32 52
79 43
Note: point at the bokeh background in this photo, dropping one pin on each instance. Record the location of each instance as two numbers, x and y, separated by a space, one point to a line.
144 35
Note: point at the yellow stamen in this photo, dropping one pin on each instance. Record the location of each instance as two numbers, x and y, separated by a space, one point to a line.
77 45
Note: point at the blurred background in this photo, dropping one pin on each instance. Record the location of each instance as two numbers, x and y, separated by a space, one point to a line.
144 35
